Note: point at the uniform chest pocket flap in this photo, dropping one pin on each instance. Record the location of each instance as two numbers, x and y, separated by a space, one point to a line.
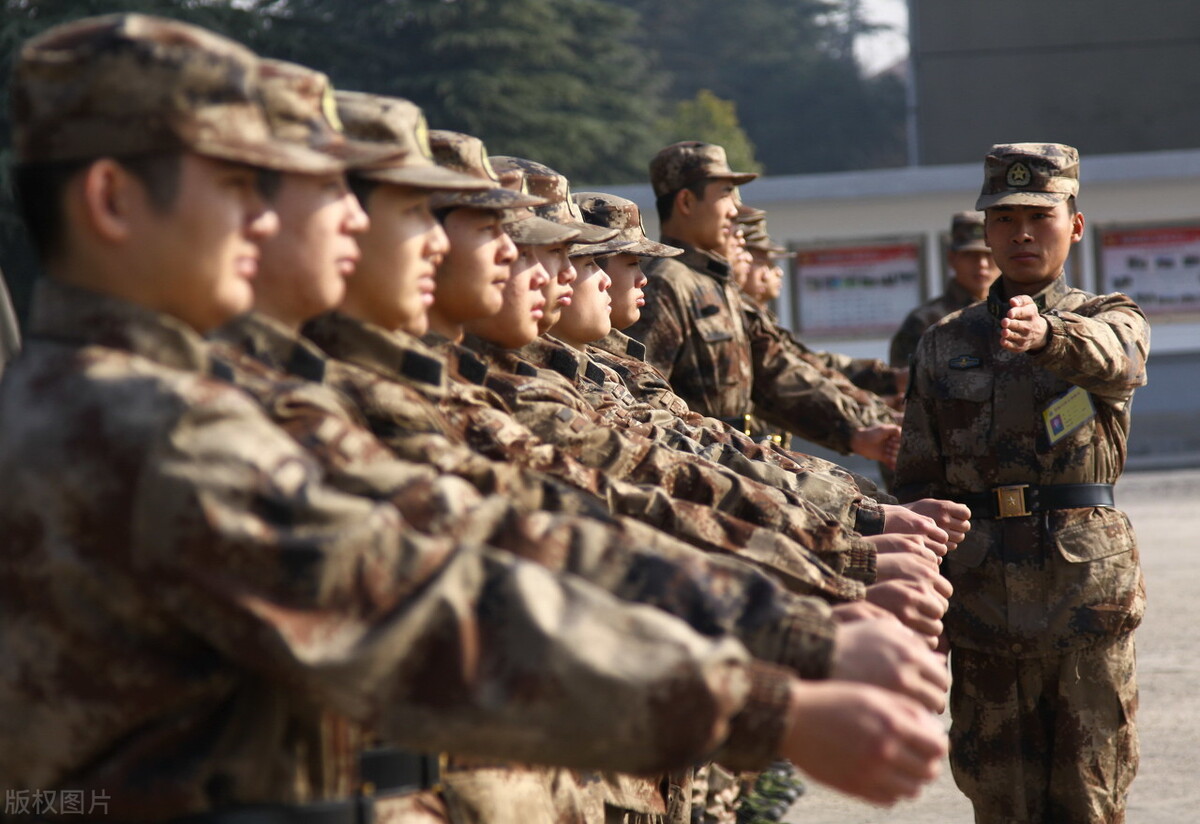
973 385
712 324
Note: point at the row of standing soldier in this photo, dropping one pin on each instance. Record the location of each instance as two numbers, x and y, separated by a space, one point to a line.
267 560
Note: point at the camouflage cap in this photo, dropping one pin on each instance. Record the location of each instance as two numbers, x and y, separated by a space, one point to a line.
608 247
747 215
690 161
527 229
548 184
1029 174
300 108
614 212
394 131
129 84
466 154
757 240
966 233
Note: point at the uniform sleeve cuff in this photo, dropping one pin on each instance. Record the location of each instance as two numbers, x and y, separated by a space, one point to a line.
807 639
860 562
868 517
802 640
755 733
1055 337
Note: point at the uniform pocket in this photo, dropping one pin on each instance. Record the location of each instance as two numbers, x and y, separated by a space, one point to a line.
1101 577
965 410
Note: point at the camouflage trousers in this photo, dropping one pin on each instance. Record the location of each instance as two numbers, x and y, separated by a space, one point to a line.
1045 740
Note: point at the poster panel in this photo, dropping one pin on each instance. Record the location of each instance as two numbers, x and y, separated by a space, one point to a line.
1157 266
856 288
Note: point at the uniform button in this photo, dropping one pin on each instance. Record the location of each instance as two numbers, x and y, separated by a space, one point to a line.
1017 648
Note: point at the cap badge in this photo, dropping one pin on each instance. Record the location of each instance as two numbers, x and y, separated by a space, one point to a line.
329 109
964 362
1018 175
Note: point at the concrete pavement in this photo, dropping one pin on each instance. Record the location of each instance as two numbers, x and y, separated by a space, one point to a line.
1164 507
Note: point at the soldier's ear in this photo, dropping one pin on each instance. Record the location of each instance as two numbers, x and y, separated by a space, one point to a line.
1077 227
685 202
108 197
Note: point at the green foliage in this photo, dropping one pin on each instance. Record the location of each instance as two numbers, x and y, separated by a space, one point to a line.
713 120
789 66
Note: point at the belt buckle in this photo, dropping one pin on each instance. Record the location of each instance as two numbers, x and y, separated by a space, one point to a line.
1010 501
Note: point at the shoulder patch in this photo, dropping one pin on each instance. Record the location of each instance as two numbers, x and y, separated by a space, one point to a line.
594 373
964 362
421 368
306 364
471 368
564 363
221 370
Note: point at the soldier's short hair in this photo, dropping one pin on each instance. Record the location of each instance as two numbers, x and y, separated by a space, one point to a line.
664 204
38 190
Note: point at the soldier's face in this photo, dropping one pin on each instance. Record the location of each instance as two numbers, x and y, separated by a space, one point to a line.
516 324
1031 243
711 218
625 272
974 270
758 283
471 278
394 285
586 319
207 242
559 288
304 267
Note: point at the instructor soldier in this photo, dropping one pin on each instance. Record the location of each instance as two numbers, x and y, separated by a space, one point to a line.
1019 408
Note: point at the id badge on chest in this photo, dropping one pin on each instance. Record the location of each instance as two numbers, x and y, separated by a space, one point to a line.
1067 413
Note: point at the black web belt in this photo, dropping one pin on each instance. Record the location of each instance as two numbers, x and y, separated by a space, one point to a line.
1017 500
384 771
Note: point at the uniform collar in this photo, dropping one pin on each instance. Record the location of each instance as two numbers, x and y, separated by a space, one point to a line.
1047 298
708 263
274 344
550 353
462 363
64 313
620 344
374 348
505 361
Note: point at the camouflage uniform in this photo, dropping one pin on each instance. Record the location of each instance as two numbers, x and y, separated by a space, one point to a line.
904 342
719 357
555 411
823 483
626 357
603 387
966 234
394 399
795 632
190 611
694 327
1045 601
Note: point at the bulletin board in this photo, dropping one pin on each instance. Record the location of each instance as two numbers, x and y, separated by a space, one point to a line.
856 288
1156 265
